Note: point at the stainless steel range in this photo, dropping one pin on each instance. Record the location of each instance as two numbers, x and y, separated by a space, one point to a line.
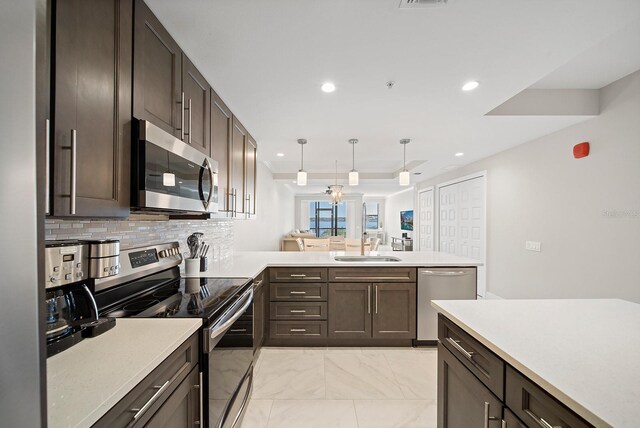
149 286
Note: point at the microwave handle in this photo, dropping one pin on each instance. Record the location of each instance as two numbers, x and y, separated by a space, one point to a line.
206 166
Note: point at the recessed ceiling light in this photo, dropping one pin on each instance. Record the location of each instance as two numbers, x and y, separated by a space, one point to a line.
294 181
470 86
280 155
459 154
328 87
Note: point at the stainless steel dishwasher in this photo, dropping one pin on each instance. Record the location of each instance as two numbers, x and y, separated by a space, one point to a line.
449 283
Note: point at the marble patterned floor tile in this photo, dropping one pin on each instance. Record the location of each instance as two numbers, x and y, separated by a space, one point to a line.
396 413
416 373
257 414
313 414
353 376
290 376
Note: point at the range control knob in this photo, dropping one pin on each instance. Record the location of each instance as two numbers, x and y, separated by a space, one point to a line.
163 254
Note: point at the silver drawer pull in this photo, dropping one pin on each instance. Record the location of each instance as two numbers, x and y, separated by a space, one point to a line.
443 273
488 418
298 311
540 421
298 330
297 292
141 411
298 275
456 344
238 330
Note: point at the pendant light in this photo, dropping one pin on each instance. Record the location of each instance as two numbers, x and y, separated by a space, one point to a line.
404 174
335 190
354 178
302 174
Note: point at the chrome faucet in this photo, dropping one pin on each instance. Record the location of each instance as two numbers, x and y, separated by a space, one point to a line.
364 228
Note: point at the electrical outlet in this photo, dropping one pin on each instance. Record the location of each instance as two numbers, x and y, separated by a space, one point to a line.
532 246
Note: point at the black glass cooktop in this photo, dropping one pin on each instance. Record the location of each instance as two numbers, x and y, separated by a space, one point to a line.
176 297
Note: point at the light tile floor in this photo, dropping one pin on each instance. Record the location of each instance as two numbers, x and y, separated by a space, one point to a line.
344 388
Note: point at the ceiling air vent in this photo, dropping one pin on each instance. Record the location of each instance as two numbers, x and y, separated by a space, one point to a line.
415 4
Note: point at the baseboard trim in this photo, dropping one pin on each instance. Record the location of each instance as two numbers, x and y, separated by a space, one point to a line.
418 343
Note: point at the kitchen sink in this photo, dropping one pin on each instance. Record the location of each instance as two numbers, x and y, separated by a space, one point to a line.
365 259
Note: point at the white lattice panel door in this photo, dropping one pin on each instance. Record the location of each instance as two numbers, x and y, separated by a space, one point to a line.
426 220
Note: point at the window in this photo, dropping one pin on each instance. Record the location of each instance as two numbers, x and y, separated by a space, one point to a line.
373 219
327 220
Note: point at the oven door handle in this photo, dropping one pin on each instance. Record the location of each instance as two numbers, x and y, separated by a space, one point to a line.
217 330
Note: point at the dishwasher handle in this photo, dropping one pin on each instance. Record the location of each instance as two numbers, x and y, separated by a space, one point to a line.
444 273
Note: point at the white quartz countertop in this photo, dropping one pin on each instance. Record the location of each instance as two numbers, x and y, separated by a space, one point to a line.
251 263
86 380
586 353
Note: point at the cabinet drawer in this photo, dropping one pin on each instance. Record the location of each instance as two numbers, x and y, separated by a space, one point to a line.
299 310
169 374
299 292
486 365
310 329
372 274
302 274
535 406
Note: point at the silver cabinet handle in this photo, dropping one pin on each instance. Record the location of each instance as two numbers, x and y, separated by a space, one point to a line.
456 344
141 411
235 202
368 299
488 418
376 291
238 330
540 421
298 275
297 292
47 167
297 311
504 424
297 330
443 273
74 170
182 116
200 390
190 130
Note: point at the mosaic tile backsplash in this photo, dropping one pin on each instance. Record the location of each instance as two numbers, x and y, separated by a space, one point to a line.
137 233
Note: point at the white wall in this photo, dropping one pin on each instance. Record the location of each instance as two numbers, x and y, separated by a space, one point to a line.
275 216
585 212
20 353
402 201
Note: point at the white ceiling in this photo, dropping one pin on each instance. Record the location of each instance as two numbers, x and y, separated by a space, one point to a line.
267 60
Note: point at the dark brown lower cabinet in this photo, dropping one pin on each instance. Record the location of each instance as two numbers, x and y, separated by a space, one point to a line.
512 420
463 401
350 311
394 314
259 312
182 408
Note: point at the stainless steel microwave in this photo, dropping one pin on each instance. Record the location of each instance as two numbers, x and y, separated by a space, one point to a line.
170 175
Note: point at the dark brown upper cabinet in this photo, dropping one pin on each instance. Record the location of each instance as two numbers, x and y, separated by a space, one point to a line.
239 136
157 63
250 157
197 95
221 128
91 121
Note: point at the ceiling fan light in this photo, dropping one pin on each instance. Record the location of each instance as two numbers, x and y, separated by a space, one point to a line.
404 178
354 178
302 178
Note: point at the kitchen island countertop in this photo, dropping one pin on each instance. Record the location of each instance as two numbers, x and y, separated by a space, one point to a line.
251 263
584 352
86 380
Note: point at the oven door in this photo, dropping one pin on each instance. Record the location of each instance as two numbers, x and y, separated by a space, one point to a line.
228 347
171 175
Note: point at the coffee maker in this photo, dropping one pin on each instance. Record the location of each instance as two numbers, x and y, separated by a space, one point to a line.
70 309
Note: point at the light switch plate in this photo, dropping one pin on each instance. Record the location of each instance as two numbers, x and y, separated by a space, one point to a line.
532 246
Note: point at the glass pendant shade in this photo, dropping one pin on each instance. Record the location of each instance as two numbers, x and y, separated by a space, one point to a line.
404 178
301 180
354 178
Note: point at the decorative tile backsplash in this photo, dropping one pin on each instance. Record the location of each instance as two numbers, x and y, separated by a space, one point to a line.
138 233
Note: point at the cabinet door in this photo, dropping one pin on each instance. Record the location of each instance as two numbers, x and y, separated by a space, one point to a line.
156 73
182 408
250 154
259 302
511 420
350 311
462 399
221 126
92 108
394 314
239 137
197 98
